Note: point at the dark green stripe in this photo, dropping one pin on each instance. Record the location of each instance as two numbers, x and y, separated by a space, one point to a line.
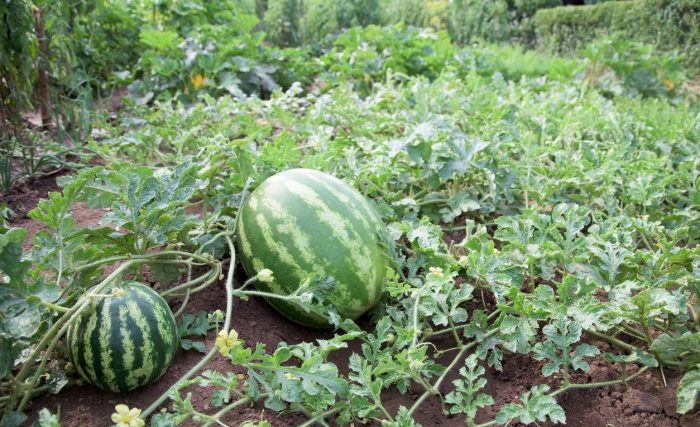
151 306
327 242
116 342
148 306
97 348
323 240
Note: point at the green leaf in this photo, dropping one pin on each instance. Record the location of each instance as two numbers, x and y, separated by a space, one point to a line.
688 390
465 397
11 257
165 419
536 406
683 348
160 40
13 419
188 344
8 354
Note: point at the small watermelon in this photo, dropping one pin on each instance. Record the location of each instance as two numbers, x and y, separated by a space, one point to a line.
303 223
127 341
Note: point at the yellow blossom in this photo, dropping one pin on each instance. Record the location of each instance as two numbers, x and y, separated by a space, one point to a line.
197 81
436 271
227 341
463 261
125 417
265 275
118 292
290 376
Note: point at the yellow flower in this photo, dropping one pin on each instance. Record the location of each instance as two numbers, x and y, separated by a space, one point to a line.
125 417
463 261
290 376
118 292
265 275
225 342
669 84
197 81
436 271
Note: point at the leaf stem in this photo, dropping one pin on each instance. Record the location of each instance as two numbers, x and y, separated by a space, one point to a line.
212 351
55 307
441 378
318 417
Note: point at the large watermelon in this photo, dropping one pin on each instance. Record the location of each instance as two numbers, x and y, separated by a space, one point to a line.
128 341
304 223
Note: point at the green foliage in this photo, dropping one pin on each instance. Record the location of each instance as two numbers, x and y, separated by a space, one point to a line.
477 19
621 67
688 390
668 24
536 406
282 22
17 51
374 51
408 12
495 21
529 209
464 398
323 19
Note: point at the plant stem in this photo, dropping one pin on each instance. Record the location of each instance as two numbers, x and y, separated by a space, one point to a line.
183 305
432 201
212 351
216 417
570 386
415 318
612 340
208 278
318 417
441 378
55 333
55 307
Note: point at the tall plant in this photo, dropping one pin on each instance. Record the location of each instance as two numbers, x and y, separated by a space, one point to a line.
17 51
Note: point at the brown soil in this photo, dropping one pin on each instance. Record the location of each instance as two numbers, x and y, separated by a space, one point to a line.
645 402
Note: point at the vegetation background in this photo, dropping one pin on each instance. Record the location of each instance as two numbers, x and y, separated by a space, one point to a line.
535 161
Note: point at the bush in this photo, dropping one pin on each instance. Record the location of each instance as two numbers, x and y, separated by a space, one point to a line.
365 55
668 24
17 52
495 20
623 67
322 18
282 22
478 19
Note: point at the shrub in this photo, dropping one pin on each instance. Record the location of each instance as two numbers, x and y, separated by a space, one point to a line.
668 24
282 22
623 67
322 18
495 20
365 55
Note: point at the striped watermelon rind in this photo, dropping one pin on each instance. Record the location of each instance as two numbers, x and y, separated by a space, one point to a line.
304 223
127 341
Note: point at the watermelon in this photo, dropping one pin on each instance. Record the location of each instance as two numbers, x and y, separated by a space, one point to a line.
303 223
127 341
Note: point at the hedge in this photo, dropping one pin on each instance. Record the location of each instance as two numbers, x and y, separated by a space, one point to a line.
669 24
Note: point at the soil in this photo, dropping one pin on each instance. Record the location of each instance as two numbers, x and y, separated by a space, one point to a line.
644 402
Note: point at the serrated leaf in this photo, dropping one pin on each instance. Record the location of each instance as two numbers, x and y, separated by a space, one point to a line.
688 390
